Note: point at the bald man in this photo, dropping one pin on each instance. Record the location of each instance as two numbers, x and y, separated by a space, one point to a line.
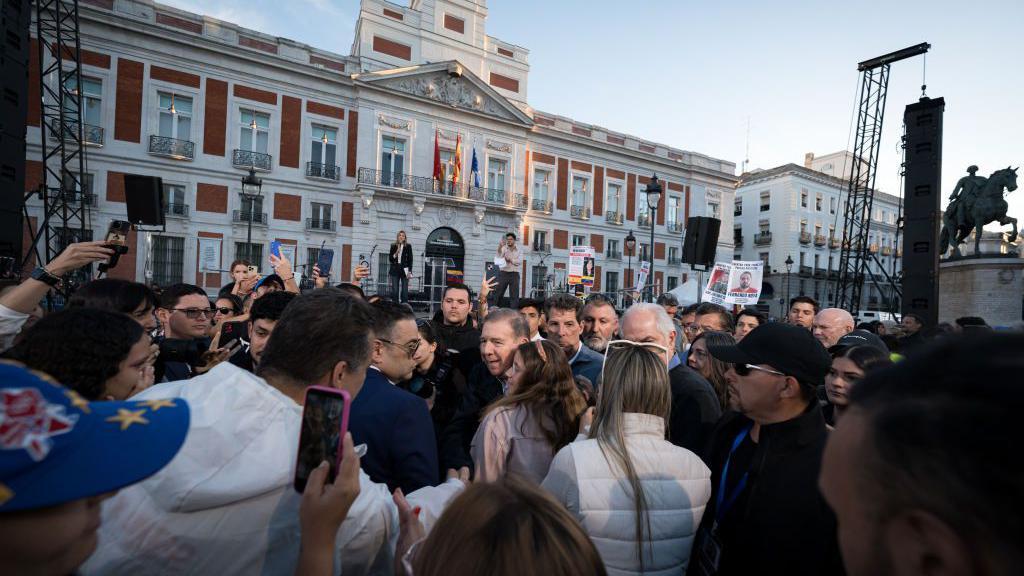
830 325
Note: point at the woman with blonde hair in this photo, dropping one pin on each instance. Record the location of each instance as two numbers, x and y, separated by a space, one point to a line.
625 471
521 432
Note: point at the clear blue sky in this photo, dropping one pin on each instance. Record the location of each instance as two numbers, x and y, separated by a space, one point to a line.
690 74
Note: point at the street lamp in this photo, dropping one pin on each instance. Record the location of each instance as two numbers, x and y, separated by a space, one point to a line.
252 188
653 192
789 268
630 246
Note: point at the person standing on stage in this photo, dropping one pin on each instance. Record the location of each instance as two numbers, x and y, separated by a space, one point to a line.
512 260
401 267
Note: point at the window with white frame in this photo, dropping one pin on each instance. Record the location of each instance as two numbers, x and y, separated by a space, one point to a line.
540 240
541 183
766 201
673 253
447 162
672 282
324 146
763 257
803 226
174 199
612 247
672 211
321 215
613 198
254 131
737 207
496 171
831 205
175 116
714 210
168 260
579 240
644 252
579 191
92 99
803 198
817 202
392 157
611 282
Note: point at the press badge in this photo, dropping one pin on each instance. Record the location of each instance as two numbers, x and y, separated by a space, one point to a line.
709 554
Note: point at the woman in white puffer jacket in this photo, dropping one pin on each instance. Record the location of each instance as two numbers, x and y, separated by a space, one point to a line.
639 497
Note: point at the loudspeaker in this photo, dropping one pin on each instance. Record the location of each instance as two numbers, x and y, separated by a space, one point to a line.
701 240
144 200
922 212
15 18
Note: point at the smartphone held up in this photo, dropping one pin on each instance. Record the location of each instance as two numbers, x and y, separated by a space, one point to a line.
324 423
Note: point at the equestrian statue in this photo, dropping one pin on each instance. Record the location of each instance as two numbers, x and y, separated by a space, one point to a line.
976 201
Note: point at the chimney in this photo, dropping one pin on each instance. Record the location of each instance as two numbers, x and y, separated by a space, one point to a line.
808 159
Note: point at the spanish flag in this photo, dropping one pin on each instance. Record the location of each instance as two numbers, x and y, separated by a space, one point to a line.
457 170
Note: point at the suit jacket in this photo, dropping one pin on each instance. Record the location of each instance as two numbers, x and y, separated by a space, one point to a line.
398 432
587 364
398 265
481 389
695 409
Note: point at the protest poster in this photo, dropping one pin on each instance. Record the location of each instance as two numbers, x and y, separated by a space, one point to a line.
736 282
645 269
581 265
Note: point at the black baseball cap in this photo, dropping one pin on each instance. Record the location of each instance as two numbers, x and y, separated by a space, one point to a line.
789 349
858 338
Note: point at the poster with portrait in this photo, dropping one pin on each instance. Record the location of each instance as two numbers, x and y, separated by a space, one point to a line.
745 282
581 266
718 284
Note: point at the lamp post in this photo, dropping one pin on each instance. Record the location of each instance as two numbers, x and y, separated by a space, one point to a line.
653 192
252 188
630 243
789 268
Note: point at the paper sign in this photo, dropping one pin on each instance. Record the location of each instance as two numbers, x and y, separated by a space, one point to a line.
209 254
645 269
581 265
736 282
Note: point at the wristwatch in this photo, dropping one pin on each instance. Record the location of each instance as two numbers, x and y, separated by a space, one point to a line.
44 276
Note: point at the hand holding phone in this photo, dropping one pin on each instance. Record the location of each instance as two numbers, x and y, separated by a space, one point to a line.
275 248
323 261
324 424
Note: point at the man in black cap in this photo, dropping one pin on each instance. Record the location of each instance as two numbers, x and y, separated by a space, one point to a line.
766 515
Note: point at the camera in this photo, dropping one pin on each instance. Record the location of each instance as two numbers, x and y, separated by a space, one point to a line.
188 351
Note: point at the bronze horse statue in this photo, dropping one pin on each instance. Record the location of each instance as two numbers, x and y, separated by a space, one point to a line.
984 206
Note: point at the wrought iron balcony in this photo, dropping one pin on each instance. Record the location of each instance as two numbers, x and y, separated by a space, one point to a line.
762 238
737 239
519 201
318 224
833 243
886 250
644 220
579 212
674 227
240 216
171 147
613 255
178 210
72 197
614 217
541 205
90 134
819 239
674 260
805 237
429 185
542 248
819 273
251 159
325 171
805 270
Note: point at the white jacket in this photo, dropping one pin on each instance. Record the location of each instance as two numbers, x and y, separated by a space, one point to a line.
225 504
675 481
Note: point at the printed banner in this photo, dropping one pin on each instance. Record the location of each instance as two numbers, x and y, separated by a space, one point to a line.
645 269
209 254
581 266
737 282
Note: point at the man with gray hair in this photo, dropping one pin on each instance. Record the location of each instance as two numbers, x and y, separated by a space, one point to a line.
830 325
695 407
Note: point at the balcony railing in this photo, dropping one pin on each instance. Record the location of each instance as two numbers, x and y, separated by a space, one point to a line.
819 273
541 205
833 274
542 248
805 270
833 243
325 171
72 197
819 240
246 216
805 237
318 224
519 201
428 185
674 227
873 248
762 238
171 147
251 159
613 255
886 250
579 212
738 239
91 134
614 217
644 220
174 209
674 260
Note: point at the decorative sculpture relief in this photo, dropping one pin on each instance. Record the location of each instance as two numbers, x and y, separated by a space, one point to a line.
367 197
479 213
454 91
396 123
499 146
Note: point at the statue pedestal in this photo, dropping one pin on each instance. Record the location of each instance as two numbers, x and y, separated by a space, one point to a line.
990 286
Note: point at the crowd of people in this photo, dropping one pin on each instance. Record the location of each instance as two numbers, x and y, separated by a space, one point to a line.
157 433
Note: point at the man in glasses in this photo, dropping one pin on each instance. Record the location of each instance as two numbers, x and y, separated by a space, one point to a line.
394 424
185 315
766 514
695 407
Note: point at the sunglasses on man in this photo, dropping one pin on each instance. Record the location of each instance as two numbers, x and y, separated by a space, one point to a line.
745 369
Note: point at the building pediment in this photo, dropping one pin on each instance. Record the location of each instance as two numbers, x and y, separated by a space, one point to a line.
448 84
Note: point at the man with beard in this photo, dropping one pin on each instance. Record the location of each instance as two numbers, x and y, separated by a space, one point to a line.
600 322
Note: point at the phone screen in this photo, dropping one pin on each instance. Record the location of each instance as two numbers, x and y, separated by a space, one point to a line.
117 232
323 262
324 423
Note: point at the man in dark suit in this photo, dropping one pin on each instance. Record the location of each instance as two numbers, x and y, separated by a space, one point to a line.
564 315
394 424
400 258
695 407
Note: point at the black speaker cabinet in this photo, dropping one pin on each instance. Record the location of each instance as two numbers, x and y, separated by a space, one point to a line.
922 214
15 17
144 200
701 240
